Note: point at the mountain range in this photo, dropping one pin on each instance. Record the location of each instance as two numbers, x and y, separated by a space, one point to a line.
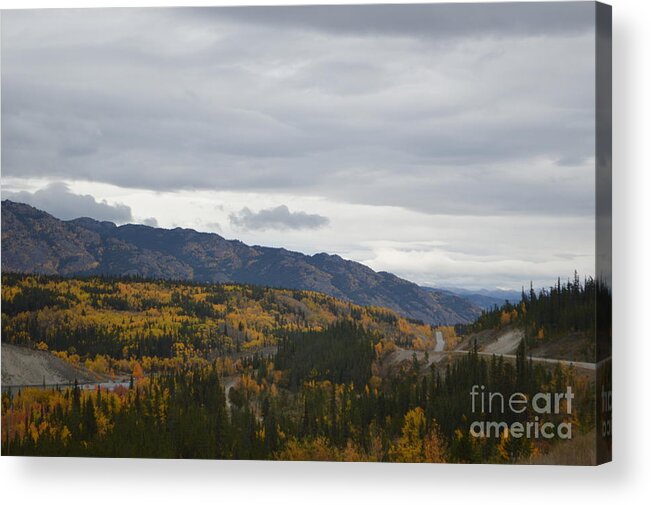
34 241
482 298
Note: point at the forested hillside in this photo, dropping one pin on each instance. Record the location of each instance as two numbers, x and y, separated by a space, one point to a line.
237 371
416 415
564 317
158 322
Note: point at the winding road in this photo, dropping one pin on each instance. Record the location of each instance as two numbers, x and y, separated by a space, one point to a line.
440 343
535 359
439 352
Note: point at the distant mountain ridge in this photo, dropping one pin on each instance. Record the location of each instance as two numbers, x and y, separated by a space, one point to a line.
483 298
34 241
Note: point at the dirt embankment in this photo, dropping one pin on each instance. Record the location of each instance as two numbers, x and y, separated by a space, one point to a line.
502 341
22 366
506 343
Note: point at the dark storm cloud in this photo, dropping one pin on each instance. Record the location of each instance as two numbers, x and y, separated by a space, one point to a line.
58 200
277 218
443 109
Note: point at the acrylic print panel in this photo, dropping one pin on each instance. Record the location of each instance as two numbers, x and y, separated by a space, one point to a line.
343 233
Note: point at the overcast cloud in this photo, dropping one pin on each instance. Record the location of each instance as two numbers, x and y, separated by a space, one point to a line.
440 114
57 199
277 218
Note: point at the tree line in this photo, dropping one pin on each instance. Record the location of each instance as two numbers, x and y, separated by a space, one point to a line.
576 310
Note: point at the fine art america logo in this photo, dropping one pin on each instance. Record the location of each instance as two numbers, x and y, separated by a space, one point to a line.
541 404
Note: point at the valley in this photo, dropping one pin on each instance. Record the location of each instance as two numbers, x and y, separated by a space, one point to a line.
244 371
133 340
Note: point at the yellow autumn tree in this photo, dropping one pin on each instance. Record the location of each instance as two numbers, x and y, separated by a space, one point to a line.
409 447
417 444
450 336
137 371
435 448
541 334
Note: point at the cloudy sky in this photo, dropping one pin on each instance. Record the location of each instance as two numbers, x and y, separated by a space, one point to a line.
449 144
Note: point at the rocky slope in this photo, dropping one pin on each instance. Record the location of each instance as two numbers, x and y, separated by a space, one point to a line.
36 242
22 366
